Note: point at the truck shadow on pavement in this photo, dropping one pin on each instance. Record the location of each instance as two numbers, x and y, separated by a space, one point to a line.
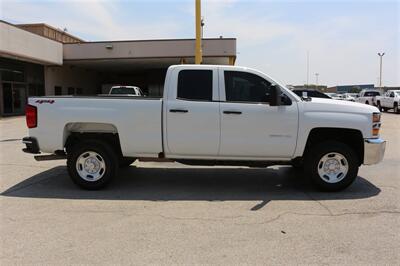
190 184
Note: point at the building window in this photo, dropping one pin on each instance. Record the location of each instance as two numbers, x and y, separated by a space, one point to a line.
71 91
57 90
195 85
79 91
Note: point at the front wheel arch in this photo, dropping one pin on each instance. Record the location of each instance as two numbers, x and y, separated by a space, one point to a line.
351 137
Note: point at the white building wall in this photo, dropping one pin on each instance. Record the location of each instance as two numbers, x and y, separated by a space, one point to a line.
23 45
69 76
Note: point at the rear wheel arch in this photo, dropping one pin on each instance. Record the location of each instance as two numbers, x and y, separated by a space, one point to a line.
111 139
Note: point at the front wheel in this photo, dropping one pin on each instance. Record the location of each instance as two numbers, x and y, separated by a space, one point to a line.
92 164
379 106
331 165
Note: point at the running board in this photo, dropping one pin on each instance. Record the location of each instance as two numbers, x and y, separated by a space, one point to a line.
50 157
158 160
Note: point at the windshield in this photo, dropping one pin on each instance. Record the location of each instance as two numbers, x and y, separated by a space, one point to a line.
123 90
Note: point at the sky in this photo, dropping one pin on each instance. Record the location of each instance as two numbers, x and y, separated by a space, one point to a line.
342 38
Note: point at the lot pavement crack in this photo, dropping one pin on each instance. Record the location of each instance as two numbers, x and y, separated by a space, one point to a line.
320 215
7 140
319 202
24 165
200 218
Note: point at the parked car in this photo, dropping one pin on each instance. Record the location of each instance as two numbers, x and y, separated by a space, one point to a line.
348 97
310 93
368 96
209 115
126 90
390 100
333 95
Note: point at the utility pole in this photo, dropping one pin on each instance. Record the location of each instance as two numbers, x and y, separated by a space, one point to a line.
308 67
380 69
316 79
198 53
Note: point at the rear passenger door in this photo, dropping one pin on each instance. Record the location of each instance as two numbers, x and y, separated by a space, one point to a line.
192 114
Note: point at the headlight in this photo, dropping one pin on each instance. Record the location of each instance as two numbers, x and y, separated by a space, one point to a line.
376 117
376 123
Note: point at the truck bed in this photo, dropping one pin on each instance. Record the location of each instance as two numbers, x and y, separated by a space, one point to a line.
126 116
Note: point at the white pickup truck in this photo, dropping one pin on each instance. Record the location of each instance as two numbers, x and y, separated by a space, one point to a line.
390 100
209 115
368 97
126 90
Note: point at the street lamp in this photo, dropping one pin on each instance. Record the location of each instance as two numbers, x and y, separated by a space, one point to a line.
316 79
380 69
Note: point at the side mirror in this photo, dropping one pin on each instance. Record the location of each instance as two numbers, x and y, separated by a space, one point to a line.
275 96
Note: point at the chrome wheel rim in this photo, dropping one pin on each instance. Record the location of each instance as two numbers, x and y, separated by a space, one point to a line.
90 166
333 167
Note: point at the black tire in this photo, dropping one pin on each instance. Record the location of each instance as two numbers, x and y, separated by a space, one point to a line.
108 157
317 152
379 106
366 102
396 108
125 162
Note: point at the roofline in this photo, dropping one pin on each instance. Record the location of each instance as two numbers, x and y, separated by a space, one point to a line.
51 27
139 58
151 40
29 32
354 85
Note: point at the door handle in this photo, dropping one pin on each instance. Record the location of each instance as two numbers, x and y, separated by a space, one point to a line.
232 112
178 111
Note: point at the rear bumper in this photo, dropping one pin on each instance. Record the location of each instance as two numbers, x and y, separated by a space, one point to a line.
374 149
32 145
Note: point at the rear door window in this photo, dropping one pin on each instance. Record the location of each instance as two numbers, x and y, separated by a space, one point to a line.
195 85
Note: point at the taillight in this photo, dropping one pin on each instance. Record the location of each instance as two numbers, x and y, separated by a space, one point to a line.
31 116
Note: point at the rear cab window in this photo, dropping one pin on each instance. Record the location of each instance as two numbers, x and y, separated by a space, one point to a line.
195 85
371 94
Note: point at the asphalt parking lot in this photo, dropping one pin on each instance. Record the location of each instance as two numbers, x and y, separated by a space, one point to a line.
174 214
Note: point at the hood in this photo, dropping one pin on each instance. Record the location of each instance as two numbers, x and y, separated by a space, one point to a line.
330 105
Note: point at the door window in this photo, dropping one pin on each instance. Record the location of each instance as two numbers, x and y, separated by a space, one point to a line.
195 85
246 87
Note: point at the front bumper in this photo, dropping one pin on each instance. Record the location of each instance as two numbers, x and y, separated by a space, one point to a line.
374 149
32 145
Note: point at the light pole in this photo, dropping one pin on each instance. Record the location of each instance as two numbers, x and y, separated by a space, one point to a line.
198 52
316 79
380 69
308 67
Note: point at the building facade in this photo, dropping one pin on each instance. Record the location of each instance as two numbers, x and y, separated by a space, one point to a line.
37 59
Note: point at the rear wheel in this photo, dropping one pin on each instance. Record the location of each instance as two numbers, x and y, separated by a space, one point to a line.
366 102
331 165
92 164
396 108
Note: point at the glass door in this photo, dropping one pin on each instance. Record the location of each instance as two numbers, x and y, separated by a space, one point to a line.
19 98
14 98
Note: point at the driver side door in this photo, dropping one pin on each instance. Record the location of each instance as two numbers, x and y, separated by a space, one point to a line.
250 127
